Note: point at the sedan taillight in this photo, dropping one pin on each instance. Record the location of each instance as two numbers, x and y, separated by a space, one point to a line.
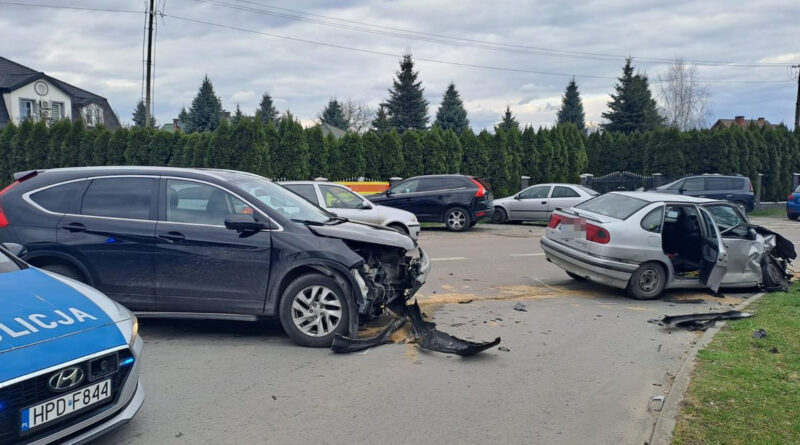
554 221
597 234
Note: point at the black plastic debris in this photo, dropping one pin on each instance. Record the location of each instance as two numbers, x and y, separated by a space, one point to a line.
520 307
429 338
684 301
698 322
759 333
342 344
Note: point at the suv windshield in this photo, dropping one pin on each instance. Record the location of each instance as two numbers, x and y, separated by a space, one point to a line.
283 201
615 206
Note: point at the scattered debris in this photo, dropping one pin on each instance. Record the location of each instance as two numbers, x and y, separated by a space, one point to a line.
698 322
429 338
345 344
773 350
684 301
504 349
465 301
657 403
759 333
520 307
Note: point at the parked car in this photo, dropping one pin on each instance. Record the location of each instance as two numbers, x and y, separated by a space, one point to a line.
69 357
735 189
458 201
210 244
339 199
646 242
537 202
793 204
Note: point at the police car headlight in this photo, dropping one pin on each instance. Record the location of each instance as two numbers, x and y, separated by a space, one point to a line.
414 218
134 331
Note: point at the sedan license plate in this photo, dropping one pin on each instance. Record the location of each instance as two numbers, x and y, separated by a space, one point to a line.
573 228
53 409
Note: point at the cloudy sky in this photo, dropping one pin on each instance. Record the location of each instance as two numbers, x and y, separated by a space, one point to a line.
349 49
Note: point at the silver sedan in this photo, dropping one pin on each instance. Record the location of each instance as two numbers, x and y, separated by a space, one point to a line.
647 242
339 199
537 202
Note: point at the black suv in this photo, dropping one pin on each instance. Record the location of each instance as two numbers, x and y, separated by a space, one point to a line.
210 243
736 189
458 201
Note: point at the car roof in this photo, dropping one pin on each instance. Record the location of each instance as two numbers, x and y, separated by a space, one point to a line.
558 183
309 182
664 197
221 174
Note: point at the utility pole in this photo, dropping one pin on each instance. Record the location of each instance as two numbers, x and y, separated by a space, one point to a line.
147 99
797 104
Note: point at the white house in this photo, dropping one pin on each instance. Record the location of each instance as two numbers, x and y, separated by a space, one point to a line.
30 94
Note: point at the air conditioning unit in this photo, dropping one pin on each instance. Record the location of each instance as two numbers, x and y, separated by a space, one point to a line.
44 104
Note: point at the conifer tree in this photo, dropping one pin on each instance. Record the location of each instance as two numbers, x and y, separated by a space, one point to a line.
475 157
413 154
267 113
138 115
529 152
497 171
632 107
36 147
58 131
159 149
452 115
453 151
292 150
7 136
317 153
352 152
371 143
407 107
333 115
116 147
204 114
392 160
219 147
572 107
434 153
381 122
136 150
509 121
100 150
71 145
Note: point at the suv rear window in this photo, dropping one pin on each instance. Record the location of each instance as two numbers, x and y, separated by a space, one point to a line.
725 183
429 184
129 198
615 206
64 198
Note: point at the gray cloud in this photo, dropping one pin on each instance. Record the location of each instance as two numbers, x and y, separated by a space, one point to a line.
102 52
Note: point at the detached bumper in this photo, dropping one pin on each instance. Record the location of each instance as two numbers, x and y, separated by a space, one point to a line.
605 271
478 215
413 231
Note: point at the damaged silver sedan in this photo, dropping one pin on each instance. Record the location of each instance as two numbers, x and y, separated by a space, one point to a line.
647 242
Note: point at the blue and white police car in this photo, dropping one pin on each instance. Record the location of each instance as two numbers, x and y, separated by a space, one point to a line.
69 357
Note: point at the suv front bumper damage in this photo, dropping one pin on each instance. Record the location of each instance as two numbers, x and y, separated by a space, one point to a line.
381 290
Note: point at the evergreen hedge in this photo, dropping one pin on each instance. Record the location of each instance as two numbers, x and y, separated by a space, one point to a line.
558 154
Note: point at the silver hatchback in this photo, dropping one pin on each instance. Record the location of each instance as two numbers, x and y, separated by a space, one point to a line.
648 242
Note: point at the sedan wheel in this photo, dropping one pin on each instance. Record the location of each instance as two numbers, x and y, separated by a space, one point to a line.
457 220
499 216
647 282
313 309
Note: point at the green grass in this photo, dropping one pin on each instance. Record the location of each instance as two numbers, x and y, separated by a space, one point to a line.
779 212
746 390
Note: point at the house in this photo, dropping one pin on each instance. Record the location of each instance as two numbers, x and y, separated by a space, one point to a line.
31 94
741 121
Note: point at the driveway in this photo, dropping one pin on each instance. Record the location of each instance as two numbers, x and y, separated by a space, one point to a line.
580 366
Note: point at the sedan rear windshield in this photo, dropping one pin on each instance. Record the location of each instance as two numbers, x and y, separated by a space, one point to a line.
615 206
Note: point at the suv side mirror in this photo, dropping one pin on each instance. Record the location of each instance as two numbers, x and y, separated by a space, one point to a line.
243 223
16 249
389 193
681 190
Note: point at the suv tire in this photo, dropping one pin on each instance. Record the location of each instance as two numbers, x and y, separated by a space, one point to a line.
65 270
313 310
457 219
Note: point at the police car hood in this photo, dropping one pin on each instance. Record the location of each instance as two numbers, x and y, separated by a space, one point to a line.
38 307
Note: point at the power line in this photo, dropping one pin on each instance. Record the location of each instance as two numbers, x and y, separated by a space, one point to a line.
381 30
424 59
368 51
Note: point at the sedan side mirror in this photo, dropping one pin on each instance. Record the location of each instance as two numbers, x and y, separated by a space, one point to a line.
364 206
243 223
16 249
517 197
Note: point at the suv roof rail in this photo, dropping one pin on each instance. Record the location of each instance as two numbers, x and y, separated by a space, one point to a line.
21 176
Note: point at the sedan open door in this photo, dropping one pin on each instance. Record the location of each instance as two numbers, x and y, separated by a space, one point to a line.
714 256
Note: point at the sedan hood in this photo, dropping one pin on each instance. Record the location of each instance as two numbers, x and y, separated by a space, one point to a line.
505 200
365 233
35 307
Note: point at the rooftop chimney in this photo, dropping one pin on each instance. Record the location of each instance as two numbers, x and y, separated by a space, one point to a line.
761 119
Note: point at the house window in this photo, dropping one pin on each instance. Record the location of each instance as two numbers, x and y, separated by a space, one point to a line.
56 111
27 109
92 115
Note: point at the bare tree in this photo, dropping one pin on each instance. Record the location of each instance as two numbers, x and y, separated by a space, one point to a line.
685 103
359 115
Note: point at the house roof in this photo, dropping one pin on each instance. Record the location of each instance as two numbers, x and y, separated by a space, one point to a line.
330 129
14 75
744 123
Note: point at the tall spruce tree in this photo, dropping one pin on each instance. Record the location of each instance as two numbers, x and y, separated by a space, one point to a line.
433 149
266 110
333 115
204 114
475 157
317 153
509 121
632 107
237 116
453 152
381 122
371 144
572 107
497 172
407 107
391 155
292 150
452 115
138 115
413 153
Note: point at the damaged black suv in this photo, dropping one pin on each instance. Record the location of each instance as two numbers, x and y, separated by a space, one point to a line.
210 244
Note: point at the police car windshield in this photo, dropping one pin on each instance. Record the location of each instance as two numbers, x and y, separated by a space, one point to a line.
7 264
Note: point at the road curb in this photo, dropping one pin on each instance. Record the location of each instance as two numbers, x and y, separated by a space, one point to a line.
665 422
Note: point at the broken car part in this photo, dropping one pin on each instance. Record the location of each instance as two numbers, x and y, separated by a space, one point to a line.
698 322
520 307
342 344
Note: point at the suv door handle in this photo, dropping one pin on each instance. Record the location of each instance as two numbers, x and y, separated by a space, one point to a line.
172 237
544 202
74 227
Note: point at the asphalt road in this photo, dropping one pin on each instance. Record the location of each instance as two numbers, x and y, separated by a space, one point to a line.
580 367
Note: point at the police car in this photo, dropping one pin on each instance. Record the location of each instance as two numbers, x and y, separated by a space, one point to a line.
69 357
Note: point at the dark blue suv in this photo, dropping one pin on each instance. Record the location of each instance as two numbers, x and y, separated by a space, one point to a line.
736 189
210 243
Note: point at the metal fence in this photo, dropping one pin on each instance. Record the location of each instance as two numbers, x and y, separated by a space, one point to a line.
624 180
